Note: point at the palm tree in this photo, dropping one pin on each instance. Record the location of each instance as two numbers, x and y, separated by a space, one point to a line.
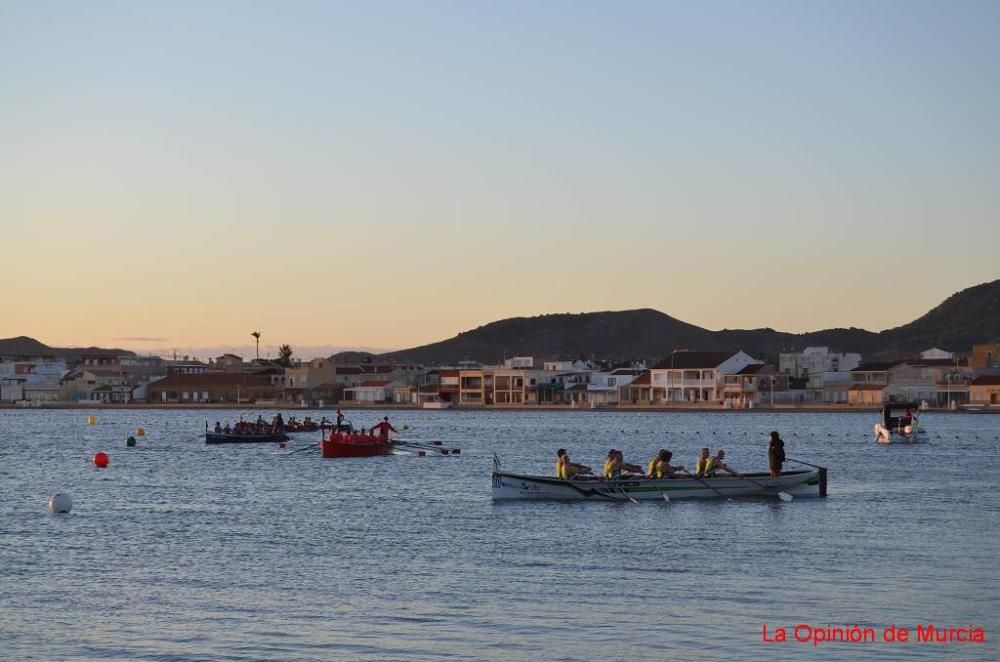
256 335
285 355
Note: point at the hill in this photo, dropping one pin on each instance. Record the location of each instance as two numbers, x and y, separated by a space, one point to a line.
25 346
966 318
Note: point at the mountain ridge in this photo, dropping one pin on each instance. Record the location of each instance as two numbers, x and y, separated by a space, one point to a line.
967 317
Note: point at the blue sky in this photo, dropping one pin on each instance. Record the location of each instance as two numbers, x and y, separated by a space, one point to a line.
422 168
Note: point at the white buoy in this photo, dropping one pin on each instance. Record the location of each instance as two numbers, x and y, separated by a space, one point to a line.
60 502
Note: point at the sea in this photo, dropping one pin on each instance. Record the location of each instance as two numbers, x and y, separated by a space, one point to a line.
183 551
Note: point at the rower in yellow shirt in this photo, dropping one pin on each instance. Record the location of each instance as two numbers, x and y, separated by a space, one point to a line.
660 467
566 470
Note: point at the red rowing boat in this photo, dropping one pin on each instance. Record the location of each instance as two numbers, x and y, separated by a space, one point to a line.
345 444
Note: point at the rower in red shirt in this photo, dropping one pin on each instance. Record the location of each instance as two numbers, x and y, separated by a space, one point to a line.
382 429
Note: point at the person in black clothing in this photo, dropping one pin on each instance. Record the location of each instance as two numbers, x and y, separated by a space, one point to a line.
775 454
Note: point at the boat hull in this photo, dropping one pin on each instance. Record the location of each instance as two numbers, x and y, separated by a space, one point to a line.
803 483
355 445
223 438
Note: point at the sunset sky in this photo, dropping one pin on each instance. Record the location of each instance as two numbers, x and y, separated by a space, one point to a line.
386 174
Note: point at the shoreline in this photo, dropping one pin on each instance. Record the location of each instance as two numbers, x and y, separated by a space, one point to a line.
801 409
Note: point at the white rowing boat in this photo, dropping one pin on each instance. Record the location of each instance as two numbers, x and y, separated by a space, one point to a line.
800 483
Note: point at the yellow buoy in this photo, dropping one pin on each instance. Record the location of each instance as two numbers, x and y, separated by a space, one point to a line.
141 432
91 420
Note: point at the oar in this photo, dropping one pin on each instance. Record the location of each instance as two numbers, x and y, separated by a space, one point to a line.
626 495
197 436
707 485
299 450
784 496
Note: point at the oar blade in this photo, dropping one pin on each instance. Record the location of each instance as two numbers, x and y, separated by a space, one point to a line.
785 496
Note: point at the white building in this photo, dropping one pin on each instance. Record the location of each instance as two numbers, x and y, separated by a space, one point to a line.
522 362
35 381
691 376
814 360
604 387
936 353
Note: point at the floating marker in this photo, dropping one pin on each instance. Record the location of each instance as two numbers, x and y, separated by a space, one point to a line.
101 459
61 502
456 451
130 442
91 420
141 432
421 453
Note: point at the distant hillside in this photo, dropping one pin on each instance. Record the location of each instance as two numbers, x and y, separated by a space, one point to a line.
351 358
25 346
968 317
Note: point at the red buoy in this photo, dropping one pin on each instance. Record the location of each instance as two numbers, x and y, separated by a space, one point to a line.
101 459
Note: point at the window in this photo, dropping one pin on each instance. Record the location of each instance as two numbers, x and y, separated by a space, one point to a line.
611 381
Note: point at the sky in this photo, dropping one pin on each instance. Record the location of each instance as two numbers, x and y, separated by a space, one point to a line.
386 174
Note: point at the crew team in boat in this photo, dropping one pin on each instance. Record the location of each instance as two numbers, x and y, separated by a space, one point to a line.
706 465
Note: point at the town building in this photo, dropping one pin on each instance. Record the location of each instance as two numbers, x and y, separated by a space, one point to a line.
984 356
688 376
211 387
816 360
33 381
754 385
985 390
299 381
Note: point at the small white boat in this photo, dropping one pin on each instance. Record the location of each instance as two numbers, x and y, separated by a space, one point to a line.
895 427
437 404
800 483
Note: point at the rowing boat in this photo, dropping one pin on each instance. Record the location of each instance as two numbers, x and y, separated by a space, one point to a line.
346 444
800 483
231 438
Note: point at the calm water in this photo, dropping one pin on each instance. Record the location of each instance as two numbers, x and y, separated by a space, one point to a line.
182 551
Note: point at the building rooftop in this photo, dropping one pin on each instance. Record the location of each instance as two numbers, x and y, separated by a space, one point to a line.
683 359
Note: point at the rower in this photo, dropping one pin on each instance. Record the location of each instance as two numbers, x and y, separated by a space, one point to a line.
716 465
566 470
218 428
612 466
702 462
660 466
383 428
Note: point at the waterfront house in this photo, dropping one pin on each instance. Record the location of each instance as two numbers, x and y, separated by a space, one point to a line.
816 360
375 391
604 388
693 376
985 390
297 382
33 381
100 386
754 385
211 387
